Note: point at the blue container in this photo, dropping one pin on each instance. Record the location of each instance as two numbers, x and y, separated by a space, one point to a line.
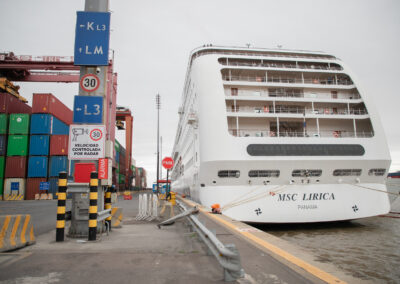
3 145
37 166
42 123
59 127
58 164
117 157
39 145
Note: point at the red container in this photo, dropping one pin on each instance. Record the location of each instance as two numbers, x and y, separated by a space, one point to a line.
15 167
47 103
10 104
59 145
33 187
82 172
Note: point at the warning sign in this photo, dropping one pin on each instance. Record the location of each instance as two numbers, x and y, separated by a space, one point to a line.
86 142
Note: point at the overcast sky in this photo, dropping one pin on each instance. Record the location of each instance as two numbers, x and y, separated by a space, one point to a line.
152 41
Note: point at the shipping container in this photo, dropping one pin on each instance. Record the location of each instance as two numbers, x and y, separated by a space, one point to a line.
37 166
10 104
117 146
2 165
57 164
14 186
33 187
117 157
3 123
17 145
19 123
59 145
3 144
1 186
42 123
39 145
15 167
53 189
47 103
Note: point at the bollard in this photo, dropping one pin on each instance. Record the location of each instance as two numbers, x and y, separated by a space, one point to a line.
94 182
62 196
107 205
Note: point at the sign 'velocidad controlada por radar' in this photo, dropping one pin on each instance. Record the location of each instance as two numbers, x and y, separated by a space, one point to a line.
86 142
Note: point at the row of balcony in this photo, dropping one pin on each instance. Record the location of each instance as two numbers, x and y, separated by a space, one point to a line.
272 94
290 80
296 110
303 134
290 65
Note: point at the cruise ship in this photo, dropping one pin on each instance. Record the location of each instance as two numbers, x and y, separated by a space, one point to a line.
279 136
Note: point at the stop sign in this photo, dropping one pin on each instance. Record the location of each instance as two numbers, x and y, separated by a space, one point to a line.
168 163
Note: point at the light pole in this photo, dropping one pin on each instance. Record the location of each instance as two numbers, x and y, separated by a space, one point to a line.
158 106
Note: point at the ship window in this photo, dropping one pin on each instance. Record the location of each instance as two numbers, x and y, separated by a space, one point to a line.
234 91
264 173
305 150
306 173
376 172
229 174
347 172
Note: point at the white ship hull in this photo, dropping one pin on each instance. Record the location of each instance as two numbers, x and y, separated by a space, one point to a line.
271 144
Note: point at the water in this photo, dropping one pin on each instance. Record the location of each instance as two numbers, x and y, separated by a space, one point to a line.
368 249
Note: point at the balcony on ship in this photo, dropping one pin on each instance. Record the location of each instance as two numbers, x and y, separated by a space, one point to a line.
299 127
281 77
279 64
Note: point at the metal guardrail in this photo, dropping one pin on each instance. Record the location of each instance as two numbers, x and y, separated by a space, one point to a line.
227 255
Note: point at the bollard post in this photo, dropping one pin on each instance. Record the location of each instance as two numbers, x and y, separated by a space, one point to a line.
62 196
93 195
107 205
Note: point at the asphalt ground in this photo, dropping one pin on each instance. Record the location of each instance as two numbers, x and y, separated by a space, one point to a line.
139 252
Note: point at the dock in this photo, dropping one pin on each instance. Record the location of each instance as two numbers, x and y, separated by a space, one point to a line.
140 252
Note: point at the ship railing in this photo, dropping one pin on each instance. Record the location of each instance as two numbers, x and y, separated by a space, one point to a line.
280 65
289 80
302 133
261 54
296 110
263 93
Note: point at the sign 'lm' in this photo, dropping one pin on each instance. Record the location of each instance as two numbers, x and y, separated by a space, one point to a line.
92 36
86 142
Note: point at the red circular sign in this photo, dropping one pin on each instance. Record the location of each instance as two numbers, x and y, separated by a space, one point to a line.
168 163
96 134
90 82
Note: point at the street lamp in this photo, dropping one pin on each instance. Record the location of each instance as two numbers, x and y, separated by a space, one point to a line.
158 106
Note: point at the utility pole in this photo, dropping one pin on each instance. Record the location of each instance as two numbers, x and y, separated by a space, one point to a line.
160 156
158 106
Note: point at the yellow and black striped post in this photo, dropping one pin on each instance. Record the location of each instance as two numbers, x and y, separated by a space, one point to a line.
107 205
93 196
62 196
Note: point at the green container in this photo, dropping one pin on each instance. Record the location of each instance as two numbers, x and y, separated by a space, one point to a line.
2 164
3 123
19 123
121 179
117 146
1 186
17 145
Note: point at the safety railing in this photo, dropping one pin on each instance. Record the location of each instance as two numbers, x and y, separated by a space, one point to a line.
263 94
280 65
227 255
296 110
304 134
288 80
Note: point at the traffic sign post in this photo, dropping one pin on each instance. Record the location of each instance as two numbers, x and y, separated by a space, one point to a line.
89 83
168 163
88 109
92 36
86 142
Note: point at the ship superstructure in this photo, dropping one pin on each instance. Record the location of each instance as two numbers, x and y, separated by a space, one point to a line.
279 136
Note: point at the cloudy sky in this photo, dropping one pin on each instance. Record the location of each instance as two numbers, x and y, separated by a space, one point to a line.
152 41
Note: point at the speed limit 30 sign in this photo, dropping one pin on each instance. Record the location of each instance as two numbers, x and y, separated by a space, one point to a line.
89 83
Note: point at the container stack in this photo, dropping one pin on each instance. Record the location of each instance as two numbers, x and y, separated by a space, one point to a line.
17 151
49 145
9 104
